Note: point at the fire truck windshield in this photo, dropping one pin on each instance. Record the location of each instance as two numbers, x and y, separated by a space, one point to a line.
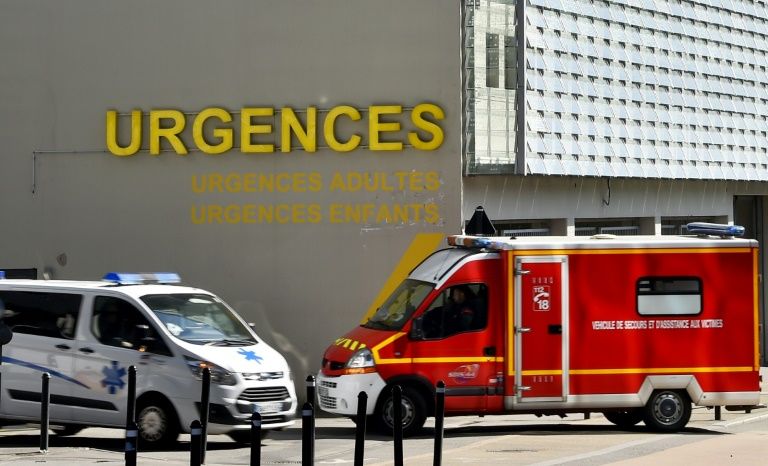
397 309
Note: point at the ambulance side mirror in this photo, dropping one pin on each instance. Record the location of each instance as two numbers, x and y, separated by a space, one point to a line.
417 331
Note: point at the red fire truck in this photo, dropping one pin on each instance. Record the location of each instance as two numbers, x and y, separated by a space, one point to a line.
638 328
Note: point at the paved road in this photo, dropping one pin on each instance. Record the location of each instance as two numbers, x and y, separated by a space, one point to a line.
739 438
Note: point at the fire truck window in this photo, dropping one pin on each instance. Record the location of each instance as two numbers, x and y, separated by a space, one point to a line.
669 296
458 309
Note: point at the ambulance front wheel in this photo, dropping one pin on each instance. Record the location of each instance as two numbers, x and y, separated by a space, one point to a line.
157 422
414 411
667 411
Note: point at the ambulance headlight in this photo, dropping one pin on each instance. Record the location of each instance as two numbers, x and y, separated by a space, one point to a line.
218 375
361 362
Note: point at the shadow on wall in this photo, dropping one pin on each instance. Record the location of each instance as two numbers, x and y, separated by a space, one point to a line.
257 314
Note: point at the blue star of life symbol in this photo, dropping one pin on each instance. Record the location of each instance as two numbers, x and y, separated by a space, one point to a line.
250 356
113 377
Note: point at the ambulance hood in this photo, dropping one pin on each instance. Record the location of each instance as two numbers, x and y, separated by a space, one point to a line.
253 358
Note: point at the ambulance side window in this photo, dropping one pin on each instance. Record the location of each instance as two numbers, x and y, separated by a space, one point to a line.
117 322
458 309
45 314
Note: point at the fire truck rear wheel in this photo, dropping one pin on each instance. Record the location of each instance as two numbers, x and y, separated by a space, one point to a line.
667 411
414 411
625 419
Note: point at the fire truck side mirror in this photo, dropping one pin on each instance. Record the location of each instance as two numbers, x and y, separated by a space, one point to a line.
417 331
5 334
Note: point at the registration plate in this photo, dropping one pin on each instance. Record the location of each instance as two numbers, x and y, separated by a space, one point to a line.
274 407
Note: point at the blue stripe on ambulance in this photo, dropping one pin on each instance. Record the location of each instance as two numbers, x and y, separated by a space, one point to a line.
53 373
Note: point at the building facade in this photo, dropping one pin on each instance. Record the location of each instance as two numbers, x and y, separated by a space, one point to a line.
593 116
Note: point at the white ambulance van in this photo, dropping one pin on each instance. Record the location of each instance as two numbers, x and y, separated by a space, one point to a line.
87 334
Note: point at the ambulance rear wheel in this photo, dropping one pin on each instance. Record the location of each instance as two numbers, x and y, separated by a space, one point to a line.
414 411
667 411
157 422
67 430
625 419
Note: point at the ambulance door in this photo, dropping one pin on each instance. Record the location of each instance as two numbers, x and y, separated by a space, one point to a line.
43 325
114 337
541 314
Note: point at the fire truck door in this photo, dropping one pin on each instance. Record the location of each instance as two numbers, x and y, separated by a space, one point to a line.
541 314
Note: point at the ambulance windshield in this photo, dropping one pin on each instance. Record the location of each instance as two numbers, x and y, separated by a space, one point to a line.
397 309
200 319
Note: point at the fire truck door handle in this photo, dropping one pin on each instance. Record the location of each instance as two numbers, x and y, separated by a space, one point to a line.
556 329
522 329
489 351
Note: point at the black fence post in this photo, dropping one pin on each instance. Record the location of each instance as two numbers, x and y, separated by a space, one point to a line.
196 431
311 389
307 435
45 402
439 420
131 402
255 439
362 408
205 400
131 438
397 423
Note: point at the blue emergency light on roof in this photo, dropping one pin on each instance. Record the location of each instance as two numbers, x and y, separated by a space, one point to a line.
716 229
121 278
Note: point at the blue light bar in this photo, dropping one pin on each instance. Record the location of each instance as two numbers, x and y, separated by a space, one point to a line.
142 278
717 229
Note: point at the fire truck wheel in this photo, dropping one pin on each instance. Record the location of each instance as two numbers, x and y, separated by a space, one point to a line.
414 411
667 411
625 419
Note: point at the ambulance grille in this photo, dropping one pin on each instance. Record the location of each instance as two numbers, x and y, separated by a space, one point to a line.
327 402
252 395
326 383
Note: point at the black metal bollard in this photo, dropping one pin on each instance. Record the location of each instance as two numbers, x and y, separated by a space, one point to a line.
439 420
131 437
255 439
718 413
311 389
195 450
307 435
397 423
205 401
362 408
45 402
130 416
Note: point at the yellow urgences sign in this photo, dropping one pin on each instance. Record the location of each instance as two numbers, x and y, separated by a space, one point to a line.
383 124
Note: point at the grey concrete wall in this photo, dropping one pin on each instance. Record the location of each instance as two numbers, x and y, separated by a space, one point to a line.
542 197
65 64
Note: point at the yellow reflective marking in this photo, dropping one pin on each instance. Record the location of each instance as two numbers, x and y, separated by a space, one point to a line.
552 372
552 252
421 246
755 291
459 359
660 370
379 360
